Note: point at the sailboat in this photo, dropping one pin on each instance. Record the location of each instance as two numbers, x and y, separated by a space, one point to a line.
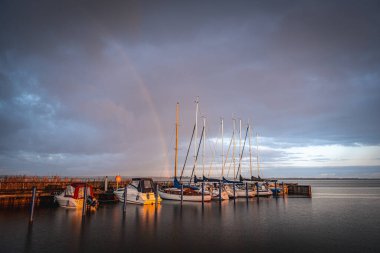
190 193
239 190
263 189
213 184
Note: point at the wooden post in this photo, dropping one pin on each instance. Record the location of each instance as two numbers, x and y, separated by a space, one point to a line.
106 184
275 189
257 191
84 207
233 185
156 195
203 194
246 191
33 204
283 190
181 194
125 198
220 191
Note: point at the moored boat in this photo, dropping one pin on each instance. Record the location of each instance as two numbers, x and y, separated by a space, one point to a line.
73 196
263 191
179 191
139 191
240 191
189 194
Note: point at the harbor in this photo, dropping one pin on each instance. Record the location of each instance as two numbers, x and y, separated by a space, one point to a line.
17 191
268 225
190 126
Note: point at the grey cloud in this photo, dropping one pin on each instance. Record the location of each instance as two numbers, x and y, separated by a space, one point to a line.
106 77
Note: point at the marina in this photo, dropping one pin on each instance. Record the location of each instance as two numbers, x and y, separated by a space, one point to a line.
268 225
16 192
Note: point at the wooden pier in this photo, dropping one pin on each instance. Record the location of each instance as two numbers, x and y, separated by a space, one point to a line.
16 191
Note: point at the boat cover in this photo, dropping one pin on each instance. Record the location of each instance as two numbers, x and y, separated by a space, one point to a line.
205 179
177 184
76 190
226 181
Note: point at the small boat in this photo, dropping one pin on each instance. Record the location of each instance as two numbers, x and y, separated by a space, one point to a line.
263 191
189 194
240 191
139 191
215 194
212 186
73 196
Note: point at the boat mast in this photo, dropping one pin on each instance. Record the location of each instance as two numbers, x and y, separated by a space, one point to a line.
241 154
196 156
221 122
239 142
250 149
233 145
196 133
257 153
204 146
176 140
228 151
187 154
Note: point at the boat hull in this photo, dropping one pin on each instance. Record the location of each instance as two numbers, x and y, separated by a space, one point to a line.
68 202
215 195
176 195
264 193
136 197
240 193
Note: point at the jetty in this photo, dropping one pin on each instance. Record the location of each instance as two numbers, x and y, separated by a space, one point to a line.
16 191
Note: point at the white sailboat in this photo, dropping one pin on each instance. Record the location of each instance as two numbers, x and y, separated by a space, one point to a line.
212 185
262 190
240 188
190 193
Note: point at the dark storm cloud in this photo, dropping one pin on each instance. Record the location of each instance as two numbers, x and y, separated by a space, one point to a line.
82 80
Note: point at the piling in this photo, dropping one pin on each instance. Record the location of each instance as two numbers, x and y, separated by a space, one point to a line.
233 185
181 194
220 192
283 190
275 189
125 198
203 194
106 184
257 191
33 203
246 191
84 207
156 195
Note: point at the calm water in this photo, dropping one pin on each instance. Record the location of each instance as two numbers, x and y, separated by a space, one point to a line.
342 216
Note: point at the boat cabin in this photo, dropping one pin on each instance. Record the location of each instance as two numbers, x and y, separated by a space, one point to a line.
144 185
76 190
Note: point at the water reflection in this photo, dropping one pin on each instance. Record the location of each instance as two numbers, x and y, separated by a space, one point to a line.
229 226
28 240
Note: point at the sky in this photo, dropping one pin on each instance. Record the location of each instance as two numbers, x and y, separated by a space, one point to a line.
89 88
